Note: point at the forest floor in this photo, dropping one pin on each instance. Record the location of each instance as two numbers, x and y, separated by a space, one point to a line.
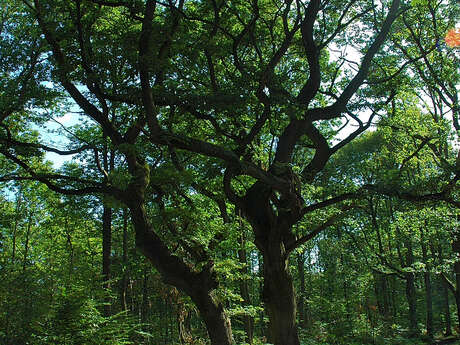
394 341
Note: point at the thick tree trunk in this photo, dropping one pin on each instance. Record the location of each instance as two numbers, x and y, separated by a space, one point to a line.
279 298
214 316
274 238
199 286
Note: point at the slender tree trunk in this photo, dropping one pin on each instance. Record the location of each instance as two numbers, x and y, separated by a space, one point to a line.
26 244
410 282
145 291
446 307
427 279
457 290
393 298
16 223
410 291
124 278
429 305
263 328
412 301
71 250
108 161
248 321
106 251
381 280
445 293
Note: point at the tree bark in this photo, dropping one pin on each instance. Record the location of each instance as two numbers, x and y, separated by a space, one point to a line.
274 237
279 297
214 316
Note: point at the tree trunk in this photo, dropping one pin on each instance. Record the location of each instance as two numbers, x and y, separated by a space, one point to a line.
124 278
381 281
199 286
71 250
412 301
279 298
446 307
26 244
427 279
260 261
445 293
214 316
275 239
410 291
457 290
15 226
145 290
106 251
248 321
410 282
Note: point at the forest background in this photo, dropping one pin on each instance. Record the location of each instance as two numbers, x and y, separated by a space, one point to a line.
234 172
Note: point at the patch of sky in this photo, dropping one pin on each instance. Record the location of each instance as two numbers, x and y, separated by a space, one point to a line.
53 134
55 131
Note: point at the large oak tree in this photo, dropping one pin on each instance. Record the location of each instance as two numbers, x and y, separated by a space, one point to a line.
261 93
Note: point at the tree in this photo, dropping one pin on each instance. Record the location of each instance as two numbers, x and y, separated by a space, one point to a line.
251 92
